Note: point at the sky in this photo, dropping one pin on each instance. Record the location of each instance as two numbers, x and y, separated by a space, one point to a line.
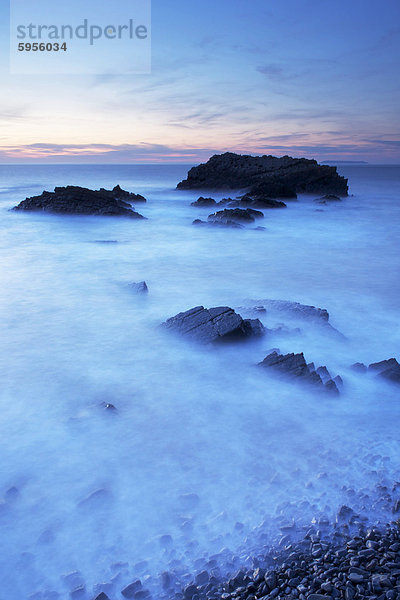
308 78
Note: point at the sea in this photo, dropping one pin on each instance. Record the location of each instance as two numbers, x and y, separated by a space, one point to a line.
207 456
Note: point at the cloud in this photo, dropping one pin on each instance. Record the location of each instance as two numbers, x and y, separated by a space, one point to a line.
394 143
272 71
92 153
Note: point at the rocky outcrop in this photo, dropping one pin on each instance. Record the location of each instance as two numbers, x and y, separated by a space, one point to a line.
139 287
295 312
295 309
247 215
388 369
267 176
204 202
219 324
82 201
259 201
294 366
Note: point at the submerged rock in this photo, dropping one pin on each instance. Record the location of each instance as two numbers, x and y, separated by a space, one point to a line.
294 309
83 201
266 175
102 596
109 407
359 367
295 366
247 215
296 312
327 199
139 288
388 369
258 201
204 202
216 223
131 590
214 325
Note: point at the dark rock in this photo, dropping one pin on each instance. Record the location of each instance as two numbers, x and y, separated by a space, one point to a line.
214 325
359 367
73 580
344 514
202 578
130 590
78 593
295 366
267 176
259 201
204 202
331 387
293 309
328 198
227 223
247 215
82 201
11 495
323 373
109 407
190 591
139 288
389 369
103 588
102 596
339 381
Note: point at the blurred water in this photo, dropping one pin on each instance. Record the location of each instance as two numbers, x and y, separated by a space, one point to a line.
191 420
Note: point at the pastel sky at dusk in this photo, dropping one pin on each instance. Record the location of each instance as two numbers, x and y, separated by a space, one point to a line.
306 78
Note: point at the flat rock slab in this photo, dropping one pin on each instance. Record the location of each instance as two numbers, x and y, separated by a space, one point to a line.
214 325
74 200
293 309
294 366
266 176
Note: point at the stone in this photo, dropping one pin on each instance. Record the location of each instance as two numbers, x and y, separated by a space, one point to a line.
293 309
78 593
246 215
267 176
359 367
331 387
388 369
219 324
109 407
323 373
139 288
226 223
102 596
204 202
130 590
83 201
257 201
295 367
327 199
